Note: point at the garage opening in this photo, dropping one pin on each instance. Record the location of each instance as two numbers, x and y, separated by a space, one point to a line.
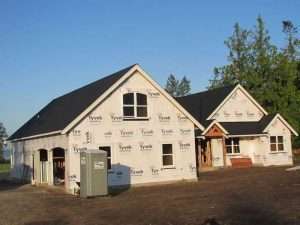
58 166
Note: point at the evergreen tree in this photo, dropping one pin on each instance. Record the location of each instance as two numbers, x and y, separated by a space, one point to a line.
290 79
260 81
293 43
239 58
184 87
292 48
3 135
177 88
172 85
270 74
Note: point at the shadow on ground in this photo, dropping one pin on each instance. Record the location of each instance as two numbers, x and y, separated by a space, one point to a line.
247 211
9 184
115 191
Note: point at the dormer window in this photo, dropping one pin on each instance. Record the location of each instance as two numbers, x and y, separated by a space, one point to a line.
135 105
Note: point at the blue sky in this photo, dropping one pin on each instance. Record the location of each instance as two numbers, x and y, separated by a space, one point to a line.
48 48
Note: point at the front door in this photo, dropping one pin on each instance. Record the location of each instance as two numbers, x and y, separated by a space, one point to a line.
205 153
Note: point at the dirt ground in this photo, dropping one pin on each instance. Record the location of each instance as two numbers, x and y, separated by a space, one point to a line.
255 196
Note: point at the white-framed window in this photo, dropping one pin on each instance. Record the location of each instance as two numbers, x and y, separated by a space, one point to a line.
276 144
135 105
232 145
167 155
107 149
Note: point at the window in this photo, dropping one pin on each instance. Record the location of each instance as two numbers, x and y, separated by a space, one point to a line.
232 145
167 155
108 151
276 144
128 105
141 108
43 155
135 105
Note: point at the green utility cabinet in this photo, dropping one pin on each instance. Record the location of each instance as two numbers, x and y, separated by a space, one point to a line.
93 173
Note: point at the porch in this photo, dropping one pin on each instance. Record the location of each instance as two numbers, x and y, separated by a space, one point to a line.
215 148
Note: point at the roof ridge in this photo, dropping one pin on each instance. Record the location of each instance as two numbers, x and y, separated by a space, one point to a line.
208 91
96 81
215 89
52 117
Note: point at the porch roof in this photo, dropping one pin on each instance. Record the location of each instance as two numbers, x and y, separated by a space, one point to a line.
248 128
242 128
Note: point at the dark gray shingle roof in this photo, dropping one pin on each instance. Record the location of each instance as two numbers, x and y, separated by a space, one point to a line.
63 110
200 105
247 128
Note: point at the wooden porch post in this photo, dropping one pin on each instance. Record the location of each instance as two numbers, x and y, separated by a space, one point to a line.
224 151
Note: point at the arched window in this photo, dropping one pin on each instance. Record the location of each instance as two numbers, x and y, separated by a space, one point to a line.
128 105
43 155
135 105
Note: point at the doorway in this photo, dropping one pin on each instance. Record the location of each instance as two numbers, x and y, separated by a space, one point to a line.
205 153
58 166
44 166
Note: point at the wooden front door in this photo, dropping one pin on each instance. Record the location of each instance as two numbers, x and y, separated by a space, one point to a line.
205 154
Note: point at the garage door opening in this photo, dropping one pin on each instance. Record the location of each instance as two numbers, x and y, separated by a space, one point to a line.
59 166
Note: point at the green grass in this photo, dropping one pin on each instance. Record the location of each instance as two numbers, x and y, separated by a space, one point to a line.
4 167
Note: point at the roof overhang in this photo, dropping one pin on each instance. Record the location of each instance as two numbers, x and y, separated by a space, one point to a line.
211 125
236 135
35 136
247 135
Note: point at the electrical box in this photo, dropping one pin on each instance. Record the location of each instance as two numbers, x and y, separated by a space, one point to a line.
93 173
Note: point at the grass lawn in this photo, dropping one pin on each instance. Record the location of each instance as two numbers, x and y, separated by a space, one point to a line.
4 167
4 170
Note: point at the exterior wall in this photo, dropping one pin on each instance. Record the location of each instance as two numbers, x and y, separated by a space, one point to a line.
277 128
136 146
217 152
258 148
23 151
252 147
238 108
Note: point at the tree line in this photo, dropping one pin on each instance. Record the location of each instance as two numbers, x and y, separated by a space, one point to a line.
270 73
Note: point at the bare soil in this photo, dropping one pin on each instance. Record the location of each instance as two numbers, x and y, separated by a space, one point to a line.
268 196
